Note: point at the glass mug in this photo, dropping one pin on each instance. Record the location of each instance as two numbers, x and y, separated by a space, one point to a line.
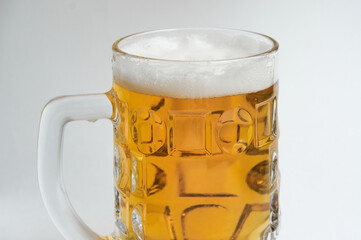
195 138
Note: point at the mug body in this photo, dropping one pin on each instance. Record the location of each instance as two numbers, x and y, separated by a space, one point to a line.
195 135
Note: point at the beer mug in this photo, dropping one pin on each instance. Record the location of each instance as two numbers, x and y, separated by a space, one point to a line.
195 138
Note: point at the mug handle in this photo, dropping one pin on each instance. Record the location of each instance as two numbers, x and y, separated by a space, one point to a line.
55 115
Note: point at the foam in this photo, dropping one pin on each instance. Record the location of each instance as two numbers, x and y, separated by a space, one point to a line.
195 63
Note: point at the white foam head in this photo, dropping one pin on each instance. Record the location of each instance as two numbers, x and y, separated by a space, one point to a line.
195 63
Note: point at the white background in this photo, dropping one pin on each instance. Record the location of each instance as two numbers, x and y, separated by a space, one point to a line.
51 48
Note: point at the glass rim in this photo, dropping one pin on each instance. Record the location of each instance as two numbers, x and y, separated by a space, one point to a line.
273 48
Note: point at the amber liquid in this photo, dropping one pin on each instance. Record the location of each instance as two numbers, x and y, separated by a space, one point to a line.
196 169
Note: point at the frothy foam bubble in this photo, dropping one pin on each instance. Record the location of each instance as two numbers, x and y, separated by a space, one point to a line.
201 63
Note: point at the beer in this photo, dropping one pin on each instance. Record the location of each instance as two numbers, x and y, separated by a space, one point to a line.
195 168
